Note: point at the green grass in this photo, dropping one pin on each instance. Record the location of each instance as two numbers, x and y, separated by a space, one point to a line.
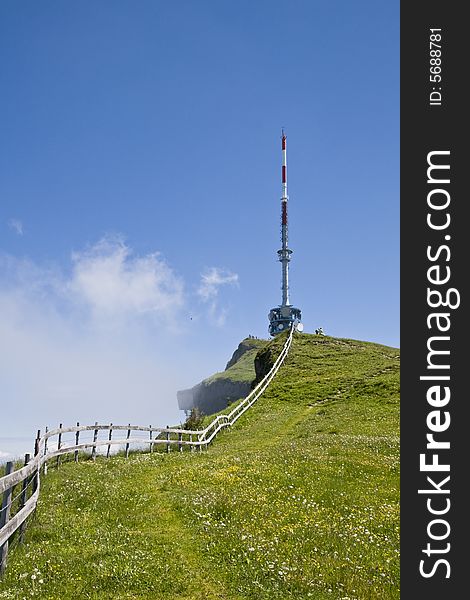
299 500
244 369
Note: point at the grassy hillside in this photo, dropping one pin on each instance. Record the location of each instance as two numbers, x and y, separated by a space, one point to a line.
243 369
215 393
299 500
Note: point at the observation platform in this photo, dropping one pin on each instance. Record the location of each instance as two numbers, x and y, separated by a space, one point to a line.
282 317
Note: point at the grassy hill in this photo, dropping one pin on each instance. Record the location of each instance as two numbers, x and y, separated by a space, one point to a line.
299 500
215 393
241 368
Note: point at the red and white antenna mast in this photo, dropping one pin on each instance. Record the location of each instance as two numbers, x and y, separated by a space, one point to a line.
285 315
284 253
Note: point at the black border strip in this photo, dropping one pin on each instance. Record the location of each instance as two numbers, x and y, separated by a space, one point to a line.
424 129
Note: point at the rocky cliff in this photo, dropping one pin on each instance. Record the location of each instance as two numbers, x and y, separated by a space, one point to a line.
217 392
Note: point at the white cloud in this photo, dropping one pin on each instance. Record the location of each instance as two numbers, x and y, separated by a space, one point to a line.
106 337
111 281
94 342
208 291
212 279
16 225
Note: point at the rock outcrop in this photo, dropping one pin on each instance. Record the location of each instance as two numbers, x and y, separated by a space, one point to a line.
212 396
217 392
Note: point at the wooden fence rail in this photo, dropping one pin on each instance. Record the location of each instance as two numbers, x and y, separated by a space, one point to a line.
29 474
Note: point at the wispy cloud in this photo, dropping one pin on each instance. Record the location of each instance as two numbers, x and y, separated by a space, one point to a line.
208 291
212 279
16 225
111 281
94 341
102 337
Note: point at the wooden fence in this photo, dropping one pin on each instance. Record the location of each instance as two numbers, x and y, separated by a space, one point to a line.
20 488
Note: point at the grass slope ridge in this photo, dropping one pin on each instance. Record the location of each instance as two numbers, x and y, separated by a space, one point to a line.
299 500
241 367
215 393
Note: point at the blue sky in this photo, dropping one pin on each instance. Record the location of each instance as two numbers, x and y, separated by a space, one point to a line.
140 186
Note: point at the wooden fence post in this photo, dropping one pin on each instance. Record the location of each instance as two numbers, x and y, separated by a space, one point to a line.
24 491
59 444
151 445
36 453
191 447
95 437
109 439
77 436
4 518
180 439
167 439
36 443
45 452
127 445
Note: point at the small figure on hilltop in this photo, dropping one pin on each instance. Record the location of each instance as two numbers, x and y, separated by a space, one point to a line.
319 331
